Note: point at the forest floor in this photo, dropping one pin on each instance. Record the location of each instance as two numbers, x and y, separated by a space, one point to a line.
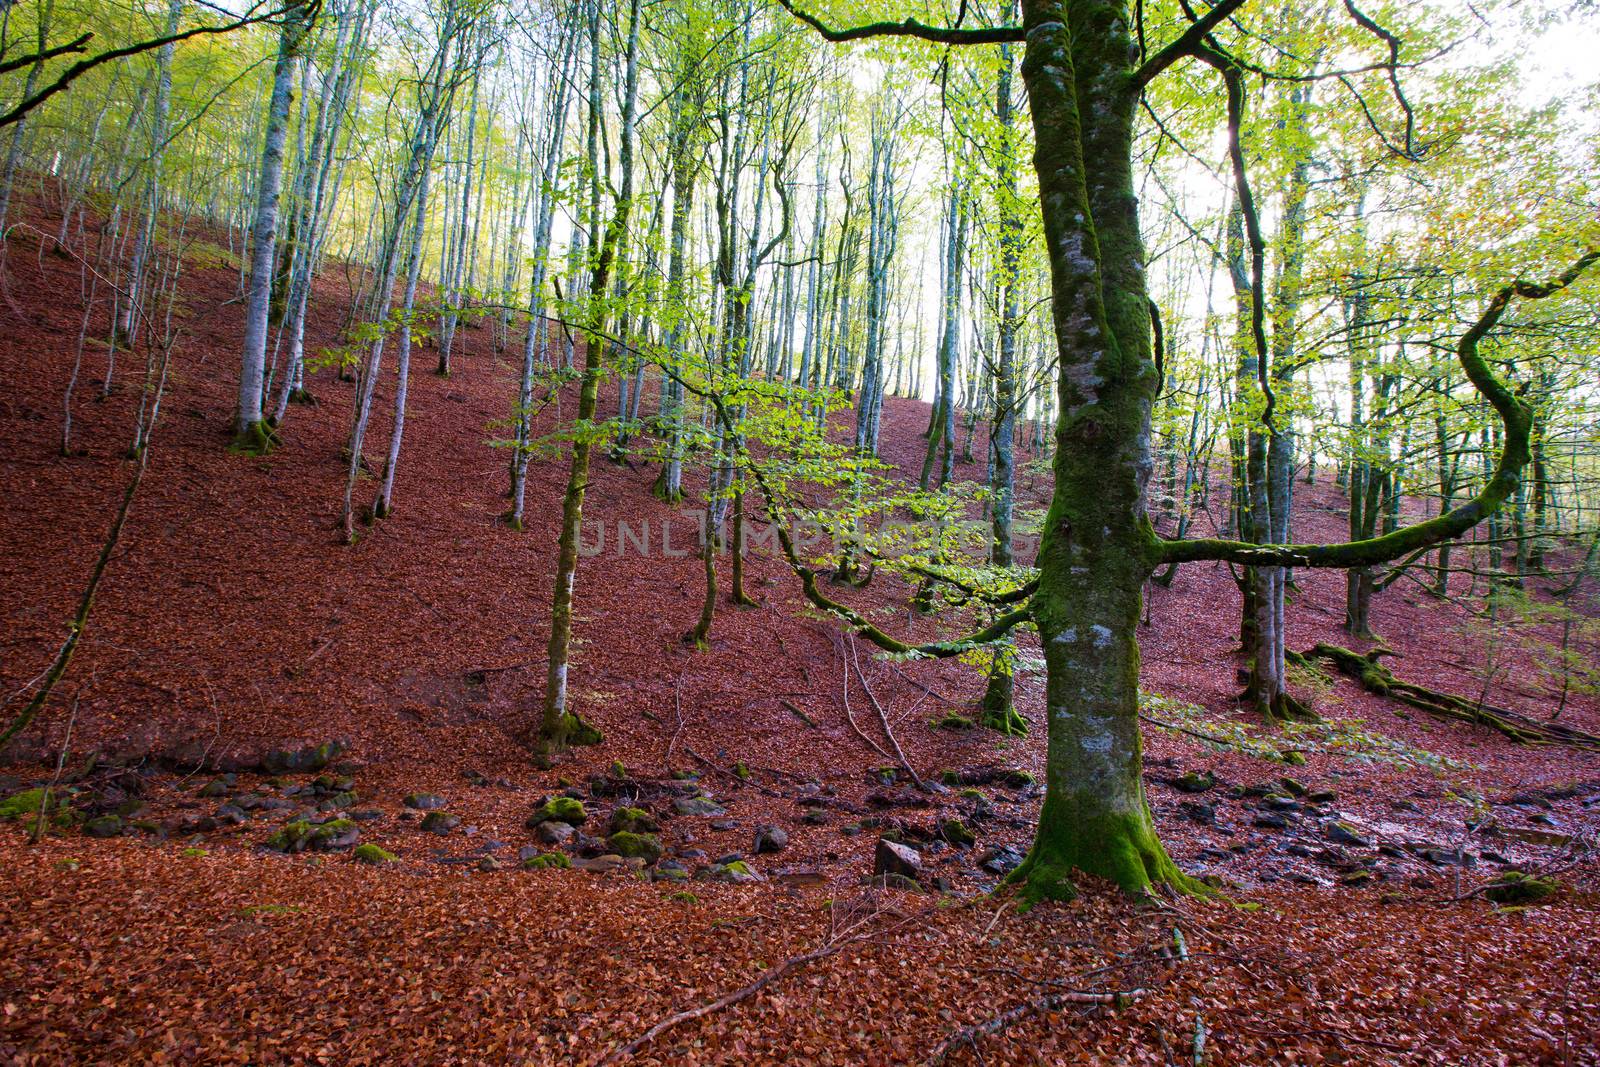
243 669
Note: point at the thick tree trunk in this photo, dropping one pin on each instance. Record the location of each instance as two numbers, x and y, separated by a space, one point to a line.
1096 551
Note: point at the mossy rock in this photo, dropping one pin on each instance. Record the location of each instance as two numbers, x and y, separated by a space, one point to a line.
953 721
950 778
290 837
636 846
103 826
303 760
956 832
976 795
1515 887
440 822
373 855
1294 759
335 835
24 805
1194 782
547 861
340 801
561 809
633 820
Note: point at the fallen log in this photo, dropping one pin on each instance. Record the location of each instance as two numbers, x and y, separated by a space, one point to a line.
1374 677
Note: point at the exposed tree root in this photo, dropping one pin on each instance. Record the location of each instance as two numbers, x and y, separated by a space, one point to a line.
1050 1002
1376 678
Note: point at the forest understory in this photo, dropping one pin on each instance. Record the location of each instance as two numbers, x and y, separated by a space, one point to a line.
247 676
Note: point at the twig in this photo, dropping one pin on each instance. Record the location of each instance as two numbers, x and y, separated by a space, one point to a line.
844 661
837 941
61 761
884 719
1048 1003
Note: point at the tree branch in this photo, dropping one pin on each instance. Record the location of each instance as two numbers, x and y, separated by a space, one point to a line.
913 28
1515 415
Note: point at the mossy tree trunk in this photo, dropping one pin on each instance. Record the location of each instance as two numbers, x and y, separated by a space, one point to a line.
1094 557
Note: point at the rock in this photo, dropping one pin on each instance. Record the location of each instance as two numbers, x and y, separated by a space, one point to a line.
587 845
893 858
1293 787
339 801
290 837
555 833
669 871
540 861
1279 802
1194 782
1405 805
692 853
738 872
1270 821
1261 789
425 801
801 876
698 805
373 855
560 809
1447 857
217 787
900 881
335 836
440 822
488 863
1344 834
1322 796
1356 878
1002 860
731 857
369 815
104 826
601 864
770 839
633 820
1199 811
230 814
636 846
302 760
724 825
1515 887
815 817
956 833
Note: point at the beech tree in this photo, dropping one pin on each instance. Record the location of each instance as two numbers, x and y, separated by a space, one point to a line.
1086 64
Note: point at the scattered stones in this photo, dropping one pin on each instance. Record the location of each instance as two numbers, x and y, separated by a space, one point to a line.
218 787
724 825
633 821
1293 787
1268 820
1279 802
369 815
770 839
815 817
601 864
1322 796
300 835
554 833
1354 878
1199 811
540 861
488 864
440 822
231 815
894 858
1406 806
425 801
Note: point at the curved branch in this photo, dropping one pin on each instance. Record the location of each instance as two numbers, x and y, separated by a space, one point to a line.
1185 45
911 28
1515 415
